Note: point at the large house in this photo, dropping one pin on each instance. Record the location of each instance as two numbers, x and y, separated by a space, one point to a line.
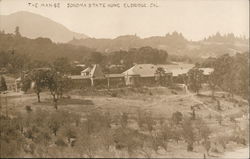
140 73
94 75
145 74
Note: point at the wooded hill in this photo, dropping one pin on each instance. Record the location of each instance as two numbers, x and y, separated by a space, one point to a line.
174 43
41 48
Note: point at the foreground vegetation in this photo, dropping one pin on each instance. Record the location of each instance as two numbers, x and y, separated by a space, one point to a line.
41 132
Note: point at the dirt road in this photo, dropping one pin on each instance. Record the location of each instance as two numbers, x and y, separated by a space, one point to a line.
242 153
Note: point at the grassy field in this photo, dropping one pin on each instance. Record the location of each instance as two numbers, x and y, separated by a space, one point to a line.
159 102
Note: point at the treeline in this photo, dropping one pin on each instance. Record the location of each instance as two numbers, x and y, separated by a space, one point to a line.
231 73
171 41
140 55
226 38
18 53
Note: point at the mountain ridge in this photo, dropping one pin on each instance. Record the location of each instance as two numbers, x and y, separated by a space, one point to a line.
33 25
175 43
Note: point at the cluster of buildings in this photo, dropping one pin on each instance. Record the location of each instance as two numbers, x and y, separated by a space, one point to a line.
139 74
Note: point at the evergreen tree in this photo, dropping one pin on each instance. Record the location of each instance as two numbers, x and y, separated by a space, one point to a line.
17 31
3 86
195 79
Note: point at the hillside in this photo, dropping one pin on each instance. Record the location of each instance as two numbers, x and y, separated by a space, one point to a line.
174 44
42 49
33 26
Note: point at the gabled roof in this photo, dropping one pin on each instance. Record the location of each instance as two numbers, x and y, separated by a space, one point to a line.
86 70
94 72
143 70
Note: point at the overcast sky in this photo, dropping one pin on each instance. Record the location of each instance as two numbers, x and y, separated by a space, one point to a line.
196 19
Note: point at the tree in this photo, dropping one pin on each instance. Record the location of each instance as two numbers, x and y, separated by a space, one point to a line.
230 74
160 76
204 133
188 133
62 65
55 84
17 31
195 79
36 79
166 134
177 117
54 123
94 58
3 86
212 81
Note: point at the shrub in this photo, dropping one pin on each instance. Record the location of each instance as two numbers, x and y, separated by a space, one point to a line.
177 117
97 120
54 124
207 145
124 120
114 94
28 109
188 133
60 142
87 145
125 138
145 119
166 136
223 141
69 132
42 137
149 121
11 140
203 129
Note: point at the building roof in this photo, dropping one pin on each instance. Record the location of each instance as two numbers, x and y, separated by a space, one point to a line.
94 72
143 70
86 70
177 68
165 67
207 71
148 70
179 71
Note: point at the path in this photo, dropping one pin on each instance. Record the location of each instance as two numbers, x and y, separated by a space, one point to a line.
200 102
242 153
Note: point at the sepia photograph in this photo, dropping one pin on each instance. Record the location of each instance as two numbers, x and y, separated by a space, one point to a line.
124 79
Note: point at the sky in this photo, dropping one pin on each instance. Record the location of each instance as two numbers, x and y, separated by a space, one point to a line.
195 19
